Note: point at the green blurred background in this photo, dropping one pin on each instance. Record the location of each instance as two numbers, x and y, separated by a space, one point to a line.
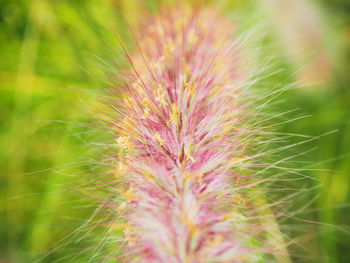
50 68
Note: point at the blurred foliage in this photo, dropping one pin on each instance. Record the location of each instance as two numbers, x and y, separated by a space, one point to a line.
48 67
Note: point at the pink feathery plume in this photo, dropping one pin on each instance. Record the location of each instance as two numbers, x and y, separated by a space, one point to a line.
180 142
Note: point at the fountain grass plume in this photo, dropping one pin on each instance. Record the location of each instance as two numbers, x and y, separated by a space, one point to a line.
183 138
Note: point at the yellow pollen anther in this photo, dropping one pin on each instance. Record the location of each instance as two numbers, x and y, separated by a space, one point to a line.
192 87
197 175
129 236
226 129
121 169
188 176
214 91
229 216
175 114
148 105
158 139
188 154
129 101
149 176
146 112
200 179
129 195
159 93
192 228
146 102
127 125
125 142
186 68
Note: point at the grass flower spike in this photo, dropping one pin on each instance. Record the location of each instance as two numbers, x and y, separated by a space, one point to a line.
181 147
